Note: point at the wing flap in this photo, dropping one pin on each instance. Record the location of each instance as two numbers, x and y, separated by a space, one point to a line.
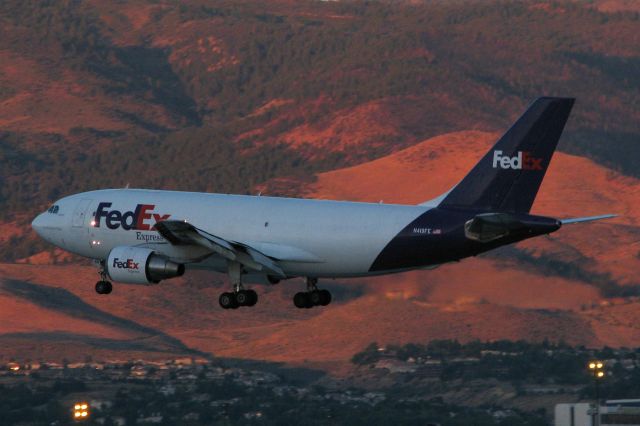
183 233
264 261
284 253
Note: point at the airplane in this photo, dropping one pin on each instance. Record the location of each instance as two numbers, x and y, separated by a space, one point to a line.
140 236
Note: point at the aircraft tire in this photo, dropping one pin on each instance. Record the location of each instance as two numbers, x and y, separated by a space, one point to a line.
243 298
228 300
314 298
253 298
301 300
325 297
103 287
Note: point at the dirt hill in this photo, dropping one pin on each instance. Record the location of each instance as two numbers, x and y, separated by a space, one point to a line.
341 100
224 97
490 297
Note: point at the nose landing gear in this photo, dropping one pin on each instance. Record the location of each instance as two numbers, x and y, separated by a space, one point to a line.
103 286
312 297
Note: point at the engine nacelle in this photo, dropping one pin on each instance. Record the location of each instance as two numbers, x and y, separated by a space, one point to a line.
137 265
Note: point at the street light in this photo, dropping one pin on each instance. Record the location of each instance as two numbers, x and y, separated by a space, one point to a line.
81 411
596 368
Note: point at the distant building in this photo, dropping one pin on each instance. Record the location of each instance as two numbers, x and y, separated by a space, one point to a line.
100 404
138 371
578 414
183 361
52 366
620 411
611 413
155 418
13 366
76 365
396 366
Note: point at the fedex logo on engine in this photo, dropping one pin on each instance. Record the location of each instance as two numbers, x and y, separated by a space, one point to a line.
521 161
126 264
142 218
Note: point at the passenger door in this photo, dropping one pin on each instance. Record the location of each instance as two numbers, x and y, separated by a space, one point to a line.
79 214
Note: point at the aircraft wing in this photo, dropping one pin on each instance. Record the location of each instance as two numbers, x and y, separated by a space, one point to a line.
183 233
586 219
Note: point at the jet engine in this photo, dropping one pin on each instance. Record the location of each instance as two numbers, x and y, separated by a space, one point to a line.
137 265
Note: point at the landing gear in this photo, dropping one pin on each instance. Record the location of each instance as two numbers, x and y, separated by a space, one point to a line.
233 300
239 296
247 297
312 297
103 286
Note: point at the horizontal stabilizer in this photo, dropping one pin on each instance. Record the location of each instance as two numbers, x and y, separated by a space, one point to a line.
488 227
586 219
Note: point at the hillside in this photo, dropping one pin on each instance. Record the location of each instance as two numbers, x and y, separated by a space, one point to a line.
501 296
156 94
378 101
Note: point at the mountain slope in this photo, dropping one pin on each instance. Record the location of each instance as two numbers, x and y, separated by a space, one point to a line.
96 94
491 297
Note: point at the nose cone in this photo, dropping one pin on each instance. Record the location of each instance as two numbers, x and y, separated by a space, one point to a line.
37 223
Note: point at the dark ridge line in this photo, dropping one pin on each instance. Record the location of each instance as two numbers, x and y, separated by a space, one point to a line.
61 300
94 341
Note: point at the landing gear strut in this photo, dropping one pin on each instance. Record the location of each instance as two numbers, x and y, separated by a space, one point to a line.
239 296
103 286
312 297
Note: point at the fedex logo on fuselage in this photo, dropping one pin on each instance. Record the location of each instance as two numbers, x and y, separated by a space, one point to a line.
125 264
521 161
141 218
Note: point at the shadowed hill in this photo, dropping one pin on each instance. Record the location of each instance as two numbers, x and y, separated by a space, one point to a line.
62 302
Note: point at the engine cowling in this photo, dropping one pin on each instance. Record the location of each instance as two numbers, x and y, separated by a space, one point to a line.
137 265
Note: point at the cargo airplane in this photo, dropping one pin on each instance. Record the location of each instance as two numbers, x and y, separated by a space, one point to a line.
140 236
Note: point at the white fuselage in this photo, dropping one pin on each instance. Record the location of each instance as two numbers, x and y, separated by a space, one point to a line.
324 238
145 236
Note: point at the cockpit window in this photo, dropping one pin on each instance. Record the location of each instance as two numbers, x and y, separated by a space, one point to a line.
53 209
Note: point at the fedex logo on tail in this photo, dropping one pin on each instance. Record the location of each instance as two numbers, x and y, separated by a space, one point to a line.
142 218
521 161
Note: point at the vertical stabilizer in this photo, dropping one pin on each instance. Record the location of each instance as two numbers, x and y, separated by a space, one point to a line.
507 178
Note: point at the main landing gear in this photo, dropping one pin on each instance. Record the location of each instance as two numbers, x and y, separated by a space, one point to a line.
103 286
312 297
243 297
239 296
